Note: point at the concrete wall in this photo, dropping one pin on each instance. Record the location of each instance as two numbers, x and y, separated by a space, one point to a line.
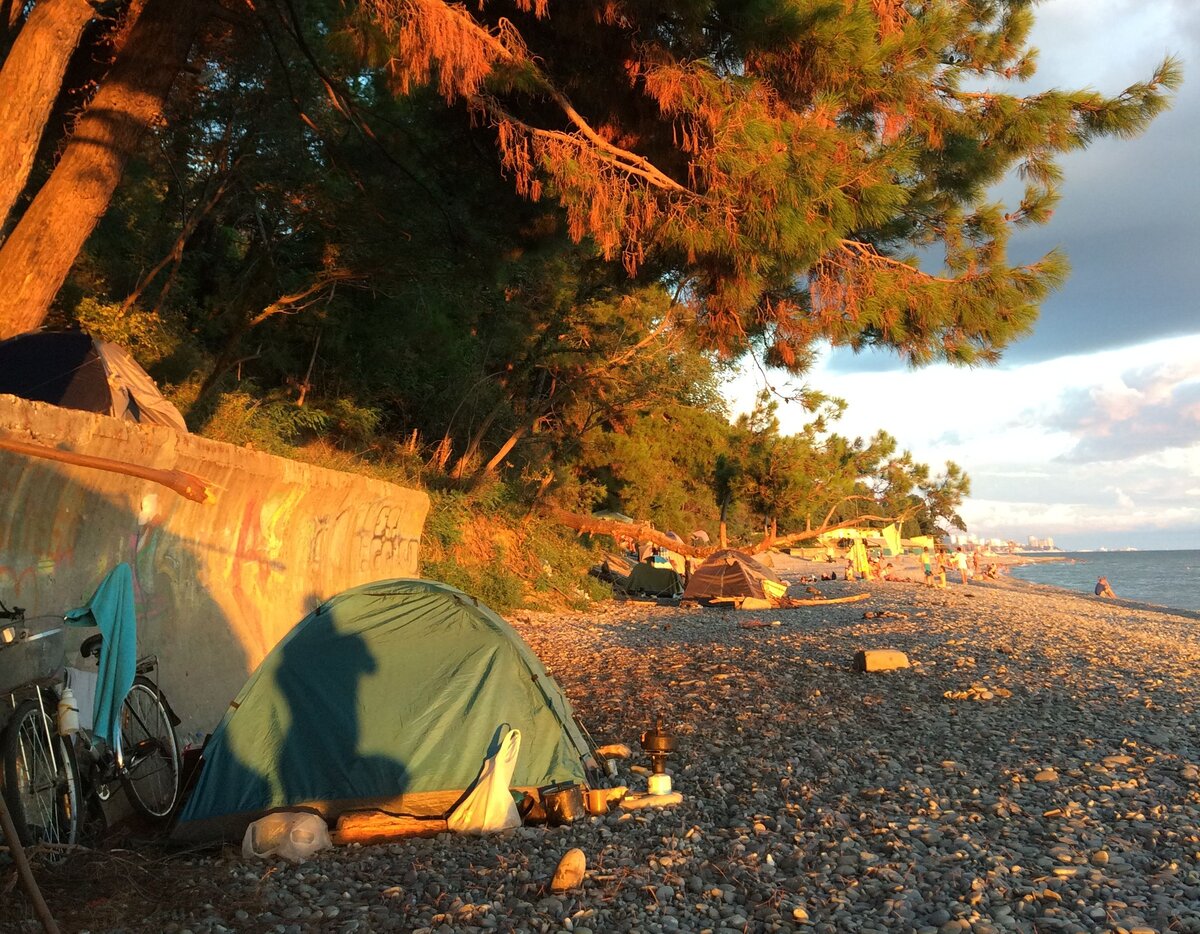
217 585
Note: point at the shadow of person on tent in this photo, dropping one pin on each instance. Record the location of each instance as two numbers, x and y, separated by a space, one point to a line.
330 751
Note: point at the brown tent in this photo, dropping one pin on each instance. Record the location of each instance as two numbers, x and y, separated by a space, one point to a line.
730 573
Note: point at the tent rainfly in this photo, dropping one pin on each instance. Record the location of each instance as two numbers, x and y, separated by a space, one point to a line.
391 695
75 371
730 573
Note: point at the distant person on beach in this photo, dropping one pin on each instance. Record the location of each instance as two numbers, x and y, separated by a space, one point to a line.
976 563
1103 589
940 561
960 563
927 563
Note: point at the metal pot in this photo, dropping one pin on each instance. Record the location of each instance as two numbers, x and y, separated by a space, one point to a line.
563 803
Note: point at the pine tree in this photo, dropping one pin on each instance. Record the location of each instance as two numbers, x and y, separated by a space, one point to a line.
789 160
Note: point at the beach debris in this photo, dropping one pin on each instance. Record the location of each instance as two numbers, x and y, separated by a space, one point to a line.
637 800
758 624
615 751
977 692
884 614
879 660
570 871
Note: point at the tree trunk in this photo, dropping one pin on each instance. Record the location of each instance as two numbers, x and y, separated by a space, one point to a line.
10 23
722 534
29 84
35 259
517 435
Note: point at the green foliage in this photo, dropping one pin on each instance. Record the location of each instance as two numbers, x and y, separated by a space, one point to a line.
491 583
143 333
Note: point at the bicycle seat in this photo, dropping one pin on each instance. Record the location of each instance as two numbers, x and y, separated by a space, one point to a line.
91 646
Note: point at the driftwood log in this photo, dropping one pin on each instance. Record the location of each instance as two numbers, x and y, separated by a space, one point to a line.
381 826
644 532
185 484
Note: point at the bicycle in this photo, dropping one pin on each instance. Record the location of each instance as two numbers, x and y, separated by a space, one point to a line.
145 758
47 775
40 775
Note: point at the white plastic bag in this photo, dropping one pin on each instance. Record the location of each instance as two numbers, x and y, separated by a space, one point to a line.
294 835
490 806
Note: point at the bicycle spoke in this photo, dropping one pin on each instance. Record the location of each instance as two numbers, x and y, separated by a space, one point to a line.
151 756
40 780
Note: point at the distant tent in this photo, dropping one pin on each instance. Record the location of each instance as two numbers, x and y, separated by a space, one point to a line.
657 555
75 371
700 537
654 581
730 573
389 695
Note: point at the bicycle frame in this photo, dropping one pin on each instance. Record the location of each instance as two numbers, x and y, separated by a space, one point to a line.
99 747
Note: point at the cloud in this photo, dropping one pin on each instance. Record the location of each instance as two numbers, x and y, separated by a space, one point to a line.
1142 413
1122 500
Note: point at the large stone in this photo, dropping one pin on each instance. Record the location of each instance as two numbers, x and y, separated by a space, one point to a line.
569 874
879 660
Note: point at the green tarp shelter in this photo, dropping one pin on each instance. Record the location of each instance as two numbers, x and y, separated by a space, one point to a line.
389 695
654 581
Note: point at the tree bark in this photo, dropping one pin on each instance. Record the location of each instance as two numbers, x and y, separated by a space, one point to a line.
29 84
35 259
10 23
616 530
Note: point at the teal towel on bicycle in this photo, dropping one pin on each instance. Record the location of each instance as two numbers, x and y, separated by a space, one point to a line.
111 608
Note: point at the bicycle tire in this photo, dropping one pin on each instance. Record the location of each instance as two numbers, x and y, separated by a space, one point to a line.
151 776
42 792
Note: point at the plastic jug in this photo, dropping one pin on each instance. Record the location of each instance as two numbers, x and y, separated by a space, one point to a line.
293 835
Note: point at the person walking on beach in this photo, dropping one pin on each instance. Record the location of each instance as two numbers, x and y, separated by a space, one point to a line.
940 558
960 563
927 562
1103 589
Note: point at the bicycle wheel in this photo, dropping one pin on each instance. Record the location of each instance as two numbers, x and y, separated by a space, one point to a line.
41 779
150 750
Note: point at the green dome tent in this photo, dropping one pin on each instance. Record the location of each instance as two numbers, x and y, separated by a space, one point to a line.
390 695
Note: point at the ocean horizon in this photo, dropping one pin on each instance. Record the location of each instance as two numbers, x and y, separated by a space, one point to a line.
1165 578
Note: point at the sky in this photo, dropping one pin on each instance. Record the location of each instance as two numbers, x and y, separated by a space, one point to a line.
1088 431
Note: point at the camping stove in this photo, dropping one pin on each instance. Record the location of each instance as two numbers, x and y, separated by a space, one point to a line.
658 743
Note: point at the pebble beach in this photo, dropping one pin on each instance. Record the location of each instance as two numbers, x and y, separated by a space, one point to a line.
1036 768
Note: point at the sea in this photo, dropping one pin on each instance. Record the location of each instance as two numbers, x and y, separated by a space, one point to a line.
1167 578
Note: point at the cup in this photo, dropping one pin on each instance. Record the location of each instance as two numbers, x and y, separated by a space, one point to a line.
597 800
